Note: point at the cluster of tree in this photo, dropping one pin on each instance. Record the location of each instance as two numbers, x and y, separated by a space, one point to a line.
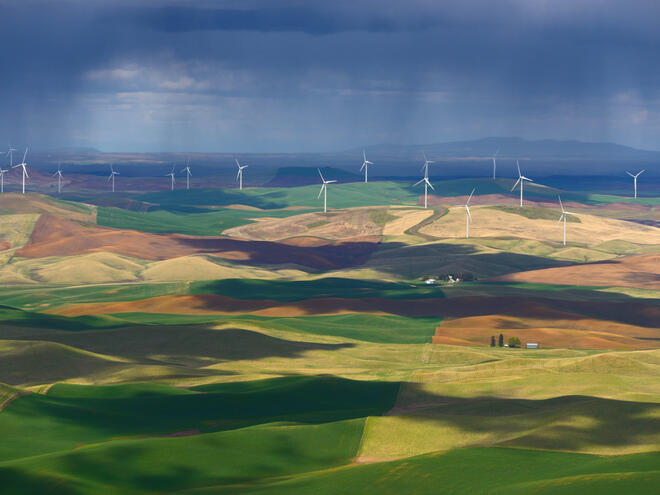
513 341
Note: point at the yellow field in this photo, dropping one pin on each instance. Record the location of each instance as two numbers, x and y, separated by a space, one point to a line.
39 203
208 268
489 222
335 225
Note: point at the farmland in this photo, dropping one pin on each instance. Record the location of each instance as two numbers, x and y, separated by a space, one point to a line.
225 341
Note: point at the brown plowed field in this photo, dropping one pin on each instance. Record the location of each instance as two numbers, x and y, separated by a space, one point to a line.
57 236
640 272
469 320
586 333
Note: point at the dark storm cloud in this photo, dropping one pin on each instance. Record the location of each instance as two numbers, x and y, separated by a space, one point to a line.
421 69
293 19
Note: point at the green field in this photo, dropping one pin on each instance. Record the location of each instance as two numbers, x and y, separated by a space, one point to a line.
212 222
348 195
261 378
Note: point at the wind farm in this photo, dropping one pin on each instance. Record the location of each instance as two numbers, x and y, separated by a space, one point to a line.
180 294
287 248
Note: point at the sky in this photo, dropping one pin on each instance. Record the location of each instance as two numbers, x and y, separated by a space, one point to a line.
305 76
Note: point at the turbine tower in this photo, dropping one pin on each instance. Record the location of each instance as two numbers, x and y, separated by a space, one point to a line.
495 162
521 180
24 171
58 174
2 180
111 177
634 176
324 190
171 174
365 166
426 182
468 217
188 174
563 216
239 175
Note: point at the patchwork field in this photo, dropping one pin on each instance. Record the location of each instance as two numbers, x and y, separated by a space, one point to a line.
222 341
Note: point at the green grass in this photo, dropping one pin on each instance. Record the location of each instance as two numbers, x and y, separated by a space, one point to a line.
41 298
163 221
172 464
347 195
19 317
476 471
280 290
363 327
68 417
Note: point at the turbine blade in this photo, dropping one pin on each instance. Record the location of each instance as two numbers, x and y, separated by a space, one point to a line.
631 175
25 154
321 175
514 186
430 185
321 191
467 208
418 182
468 201
561 204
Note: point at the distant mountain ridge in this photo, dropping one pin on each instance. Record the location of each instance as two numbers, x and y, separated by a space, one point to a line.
517 147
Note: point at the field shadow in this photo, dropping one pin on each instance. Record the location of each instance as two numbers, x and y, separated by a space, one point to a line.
571 422
189 346
414 261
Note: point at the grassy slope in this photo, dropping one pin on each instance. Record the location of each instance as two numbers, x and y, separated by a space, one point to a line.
50 297
67 417
170 464
476 471
163 221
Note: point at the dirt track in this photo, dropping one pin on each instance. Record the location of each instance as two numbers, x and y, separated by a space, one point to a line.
57 236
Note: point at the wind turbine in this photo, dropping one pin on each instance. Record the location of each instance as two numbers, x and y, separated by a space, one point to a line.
521 180
634 176
495 162
425 167
426 182
111 177
171 174
58 174
188 174
10 152
2 180
324 190
239 175
365 166
563 216
22 165
468 217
